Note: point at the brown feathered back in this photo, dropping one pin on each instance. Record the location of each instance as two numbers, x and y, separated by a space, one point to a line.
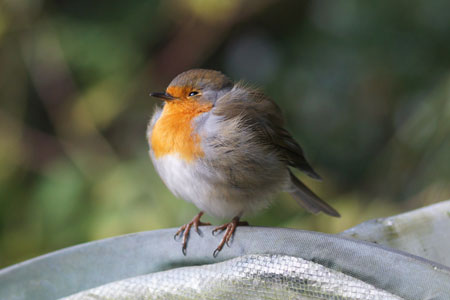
261 114
256 112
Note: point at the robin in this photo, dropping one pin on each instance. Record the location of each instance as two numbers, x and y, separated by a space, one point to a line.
223 146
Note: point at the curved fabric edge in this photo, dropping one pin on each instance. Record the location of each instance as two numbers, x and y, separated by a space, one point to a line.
85 266
422 232
261 276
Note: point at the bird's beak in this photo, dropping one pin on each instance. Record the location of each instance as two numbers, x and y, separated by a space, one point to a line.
163 96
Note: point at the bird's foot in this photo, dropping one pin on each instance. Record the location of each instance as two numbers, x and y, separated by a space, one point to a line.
186 228
230 229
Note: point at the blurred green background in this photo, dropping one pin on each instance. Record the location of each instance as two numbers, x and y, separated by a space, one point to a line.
365 87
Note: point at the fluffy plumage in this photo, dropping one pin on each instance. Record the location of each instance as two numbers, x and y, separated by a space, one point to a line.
227 150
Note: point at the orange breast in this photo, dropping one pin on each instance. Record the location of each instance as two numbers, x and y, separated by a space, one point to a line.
173 132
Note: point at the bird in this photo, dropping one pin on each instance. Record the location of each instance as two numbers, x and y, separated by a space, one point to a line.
223 146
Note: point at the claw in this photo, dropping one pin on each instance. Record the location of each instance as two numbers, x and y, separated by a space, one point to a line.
216 252
200 223
179 232
219 229
186 228
228 236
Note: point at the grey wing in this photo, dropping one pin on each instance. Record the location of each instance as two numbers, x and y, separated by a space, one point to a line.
265 120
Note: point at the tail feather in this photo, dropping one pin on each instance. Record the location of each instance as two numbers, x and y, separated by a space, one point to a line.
307 199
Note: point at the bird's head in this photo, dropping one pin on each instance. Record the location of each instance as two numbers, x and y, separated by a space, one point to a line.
196 85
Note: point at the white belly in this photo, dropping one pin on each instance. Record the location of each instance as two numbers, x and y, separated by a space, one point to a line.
207 189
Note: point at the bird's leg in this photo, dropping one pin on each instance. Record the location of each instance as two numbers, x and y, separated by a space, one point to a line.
186 228
230 229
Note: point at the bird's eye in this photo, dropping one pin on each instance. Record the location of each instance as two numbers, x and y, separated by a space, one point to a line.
192 94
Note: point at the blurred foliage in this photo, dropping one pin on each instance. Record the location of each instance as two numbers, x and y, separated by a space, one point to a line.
365 88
